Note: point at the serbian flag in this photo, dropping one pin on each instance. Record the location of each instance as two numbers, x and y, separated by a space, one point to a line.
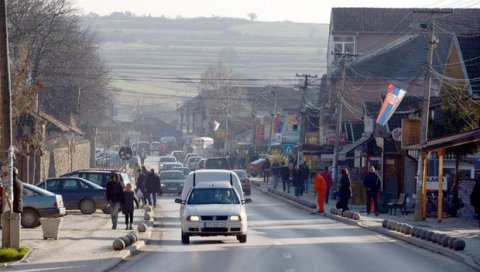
390 104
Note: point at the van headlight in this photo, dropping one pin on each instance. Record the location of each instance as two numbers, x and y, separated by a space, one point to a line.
235 218
193 218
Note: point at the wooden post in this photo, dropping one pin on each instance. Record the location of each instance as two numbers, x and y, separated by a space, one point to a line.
441 155
424 187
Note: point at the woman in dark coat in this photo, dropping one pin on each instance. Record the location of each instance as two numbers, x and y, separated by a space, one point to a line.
344 193
128 205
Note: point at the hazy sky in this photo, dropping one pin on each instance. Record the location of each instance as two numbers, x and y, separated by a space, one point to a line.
314 11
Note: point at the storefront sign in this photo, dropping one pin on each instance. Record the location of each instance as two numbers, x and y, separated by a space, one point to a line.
432 183
410 132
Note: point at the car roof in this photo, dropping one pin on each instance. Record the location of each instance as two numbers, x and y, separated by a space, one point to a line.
170 171
216 184
82 179
37 189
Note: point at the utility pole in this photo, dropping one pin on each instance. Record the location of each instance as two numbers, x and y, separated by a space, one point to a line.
254 127
338 130
10 220
273 113
421 173
303 111
226 131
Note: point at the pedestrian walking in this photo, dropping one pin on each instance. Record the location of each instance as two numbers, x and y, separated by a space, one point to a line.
345 192
306 176
297 180
328 179
320 187
17 193
135 171
128 205
153 186
275 174
114 193
143 155
266 170
285 175
371 181
141 189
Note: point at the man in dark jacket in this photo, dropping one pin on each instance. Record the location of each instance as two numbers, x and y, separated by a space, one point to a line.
285 174
328 179
266 170
17 193
152 186
305 172
297 180
371 181
475 199
141 186
114 192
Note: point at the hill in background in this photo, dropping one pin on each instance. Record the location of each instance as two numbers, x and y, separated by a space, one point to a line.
161 59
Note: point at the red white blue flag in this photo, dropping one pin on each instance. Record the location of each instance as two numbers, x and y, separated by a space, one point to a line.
390 104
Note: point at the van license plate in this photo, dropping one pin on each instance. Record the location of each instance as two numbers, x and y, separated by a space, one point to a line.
215 224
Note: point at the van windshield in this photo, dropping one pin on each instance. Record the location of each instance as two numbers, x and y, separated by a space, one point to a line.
213 196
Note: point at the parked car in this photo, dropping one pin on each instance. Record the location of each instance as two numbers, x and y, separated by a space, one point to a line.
109 160
39 203
172 181
255 168
100 177
185 170
192 162
244 178
179 155
77 193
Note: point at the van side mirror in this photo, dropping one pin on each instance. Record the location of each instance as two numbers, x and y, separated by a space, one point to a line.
247 200
178 200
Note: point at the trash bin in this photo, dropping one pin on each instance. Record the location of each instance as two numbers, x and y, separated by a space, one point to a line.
51 227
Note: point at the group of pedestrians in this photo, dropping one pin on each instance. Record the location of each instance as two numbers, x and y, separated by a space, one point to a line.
125 198
148 186
120 198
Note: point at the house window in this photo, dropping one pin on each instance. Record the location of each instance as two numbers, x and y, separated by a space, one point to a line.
344 44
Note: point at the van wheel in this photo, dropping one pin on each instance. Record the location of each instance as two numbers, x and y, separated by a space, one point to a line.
30 218
242 238
185 239
87 206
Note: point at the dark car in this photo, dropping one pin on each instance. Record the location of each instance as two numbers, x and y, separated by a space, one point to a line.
99 177
246 186
172 181
217 163
77 193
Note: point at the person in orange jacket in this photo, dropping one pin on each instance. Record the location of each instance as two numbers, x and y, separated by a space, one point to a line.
320 187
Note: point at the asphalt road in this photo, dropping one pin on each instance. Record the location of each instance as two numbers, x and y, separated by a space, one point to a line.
282 238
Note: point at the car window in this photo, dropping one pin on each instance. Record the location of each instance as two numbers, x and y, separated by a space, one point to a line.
213 196
241 174
70 184
52 184
95 178
83 185
28 192
217 164
172 175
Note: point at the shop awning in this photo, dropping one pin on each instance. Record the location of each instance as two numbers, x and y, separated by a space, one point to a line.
354 145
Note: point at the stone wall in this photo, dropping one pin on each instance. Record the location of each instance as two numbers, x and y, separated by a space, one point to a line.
62 160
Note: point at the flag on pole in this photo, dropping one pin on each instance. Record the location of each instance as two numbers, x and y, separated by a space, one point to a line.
390 104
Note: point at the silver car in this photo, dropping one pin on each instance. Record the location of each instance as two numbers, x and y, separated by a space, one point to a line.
172 181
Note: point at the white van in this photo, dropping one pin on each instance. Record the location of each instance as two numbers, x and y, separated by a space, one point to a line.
213 204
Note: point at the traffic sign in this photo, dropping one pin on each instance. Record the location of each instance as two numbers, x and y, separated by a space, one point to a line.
125 153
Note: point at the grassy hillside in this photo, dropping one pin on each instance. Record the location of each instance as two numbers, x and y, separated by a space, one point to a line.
165 57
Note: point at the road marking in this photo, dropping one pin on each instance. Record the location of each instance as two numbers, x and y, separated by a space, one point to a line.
287 255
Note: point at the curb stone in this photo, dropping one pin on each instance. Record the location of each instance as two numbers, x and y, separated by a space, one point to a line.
399 236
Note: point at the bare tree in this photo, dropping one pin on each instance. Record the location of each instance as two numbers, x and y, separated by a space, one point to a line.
252 16
61 54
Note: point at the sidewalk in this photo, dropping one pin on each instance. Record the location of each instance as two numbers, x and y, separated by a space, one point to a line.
84 244
466 229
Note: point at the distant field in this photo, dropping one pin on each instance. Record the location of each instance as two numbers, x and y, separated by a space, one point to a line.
162 59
